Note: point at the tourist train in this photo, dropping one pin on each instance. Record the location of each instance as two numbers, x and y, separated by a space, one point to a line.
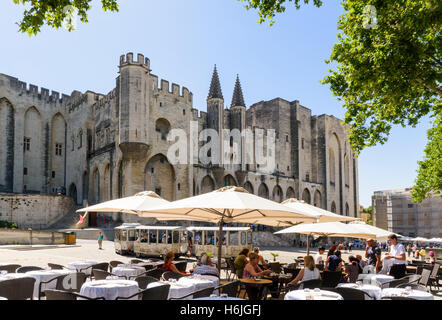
150 241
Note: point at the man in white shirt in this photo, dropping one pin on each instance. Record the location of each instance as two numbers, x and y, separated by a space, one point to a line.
396 257
318 256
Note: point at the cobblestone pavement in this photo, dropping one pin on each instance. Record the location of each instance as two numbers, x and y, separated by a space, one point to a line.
39 255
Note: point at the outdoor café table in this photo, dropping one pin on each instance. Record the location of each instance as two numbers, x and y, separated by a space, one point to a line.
312 294
176 290
402 292
256 283
78 265
110 289
198 282
129 271
44 276
3 298
374 279
9 276
373 291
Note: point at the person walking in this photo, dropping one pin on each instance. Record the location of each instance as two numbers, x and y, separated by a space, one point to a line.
100 240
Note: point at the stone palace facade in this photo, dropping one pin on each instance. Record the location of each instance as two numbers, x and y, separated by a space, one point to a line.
100 147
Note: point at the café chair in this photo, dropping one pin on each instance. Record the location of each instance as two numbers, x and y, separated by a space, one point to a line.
54 266
10 268
66 295
231 289
155 293
27 269
102 275
171 275
143 281
17 289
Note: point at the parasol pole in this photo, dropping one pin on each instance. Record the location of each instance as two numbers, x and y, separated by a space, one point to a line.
220 243
308 244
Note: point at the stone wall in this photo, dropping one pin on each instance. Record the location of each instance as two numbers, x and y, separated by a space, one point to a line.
30 237
34 211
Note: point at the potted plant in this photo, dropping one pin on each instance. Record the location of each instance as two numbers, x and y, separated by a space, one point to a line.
274 255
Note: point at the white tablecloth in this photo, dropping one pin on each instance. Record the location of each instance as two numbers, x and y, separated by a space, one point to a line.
110 289
3 298
46 275
129 272
372 290
78 265
312 294
10 276
177 290
374 279
415 294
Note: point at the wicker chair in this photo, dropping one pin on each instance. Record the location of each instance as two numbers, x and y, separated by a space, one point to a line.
231 289
170 275
155 273
102 275
181 266
74 281
143 281
54 266
99 266
425 279
27 269
231 274
154 259
10 268
309 284
135 261
434 276
206 292
350 293
66 295
330 279
114 264
17 289
155 293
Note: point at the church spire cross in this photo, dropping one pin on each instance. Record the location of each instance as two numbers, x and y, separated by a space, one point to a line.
215 86
237 99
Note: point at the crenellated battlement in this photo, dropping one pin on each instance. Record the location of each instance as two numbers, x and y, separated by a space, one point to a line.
181 94
104 100
128 59
34 91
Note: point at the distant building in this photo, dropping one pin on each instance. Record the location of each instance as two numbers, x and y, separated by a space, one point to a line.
393 210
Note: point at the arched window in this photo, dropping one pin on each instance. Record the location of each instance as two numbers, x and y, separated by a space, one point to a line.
333 207
306 196
162 126
332 165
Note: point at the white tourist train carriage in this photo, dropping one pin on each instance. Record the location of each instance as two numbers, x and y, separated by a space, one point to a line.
158 240
125 237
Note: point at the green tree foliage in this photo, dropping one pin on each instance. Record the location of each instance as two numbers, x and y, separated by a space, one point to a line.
368 210
429 179
388 72
56 12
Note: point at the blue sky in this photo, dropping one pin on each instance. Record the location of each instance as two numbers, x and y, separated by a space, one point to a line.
184 39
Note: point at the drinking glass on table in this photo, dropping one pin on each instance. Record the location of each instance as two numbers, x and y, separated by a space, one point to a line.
4 272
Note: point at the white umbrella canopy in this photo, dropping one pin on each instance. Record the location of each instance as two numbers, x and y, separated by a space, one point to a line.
231 204
435 240
380 234
323 215
133 204
335 229
421 239
227 205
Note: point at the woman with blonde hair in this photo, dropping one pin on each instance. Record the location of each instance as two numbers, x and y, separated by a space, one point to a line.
310 272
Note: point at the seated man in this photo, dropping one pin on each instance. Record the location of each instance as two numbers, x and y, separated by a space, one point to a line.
206 267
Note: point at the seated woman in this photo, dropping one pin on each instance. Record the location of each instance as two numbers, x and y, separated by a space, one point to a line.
261 262
310 272
253 270
334 262
432 258
169 266
206 267
241 261
353 269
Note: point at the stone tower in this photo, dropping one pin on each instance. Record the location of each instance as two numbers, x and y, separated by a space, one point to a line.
238 117
134 91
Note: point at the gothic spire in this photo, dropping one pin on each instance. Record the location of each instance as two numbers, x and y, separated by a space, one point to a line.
215 87
237 99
